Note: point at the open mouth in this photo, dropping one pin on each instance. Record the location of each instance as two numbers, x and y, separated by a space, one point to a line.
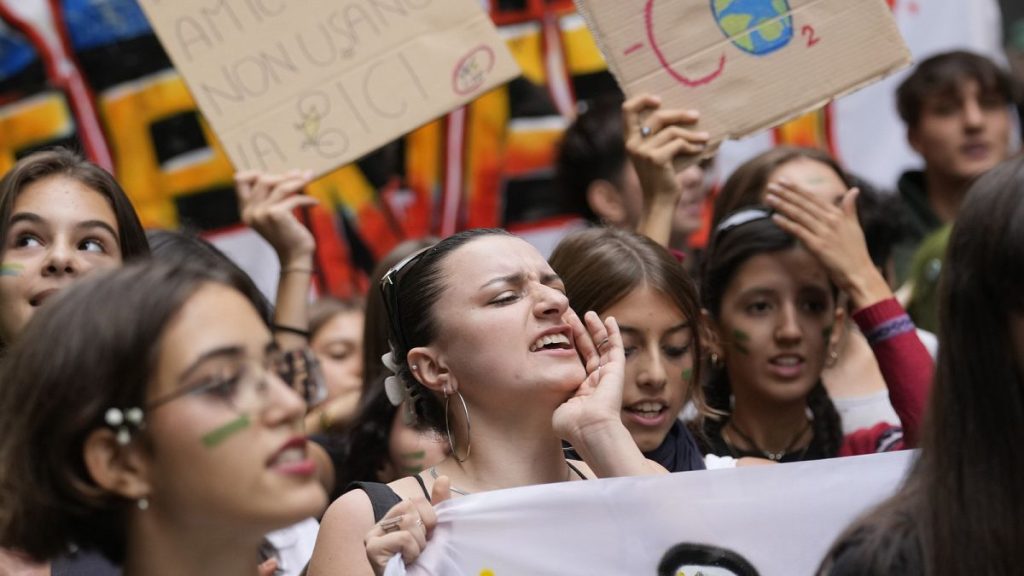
551 342
787 365
293 459
649 411
289 456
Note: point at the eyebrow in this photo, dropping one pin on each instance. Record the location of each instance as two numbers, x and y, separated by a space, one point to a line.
520 278
222 352
34 218
625 329
88 224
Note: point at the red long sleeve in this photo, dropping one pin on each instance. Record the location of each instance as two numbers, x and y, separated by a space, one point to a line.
907 368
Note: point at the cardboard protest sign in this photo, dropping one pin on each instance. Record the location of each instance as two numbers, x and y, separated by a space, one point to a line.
755 521
745 64
315 84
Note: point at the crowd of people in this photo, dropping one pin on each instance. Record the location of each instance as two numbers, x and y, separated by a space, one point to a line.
159 415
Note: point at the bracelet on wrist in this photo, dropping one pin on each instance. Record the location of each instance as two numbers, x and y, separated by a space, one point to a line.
290 269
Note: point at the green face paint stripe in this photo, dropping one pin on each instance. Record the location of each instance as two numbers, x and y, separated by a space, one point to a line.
226 431
740 336
11 269
827 333
415 455
687 374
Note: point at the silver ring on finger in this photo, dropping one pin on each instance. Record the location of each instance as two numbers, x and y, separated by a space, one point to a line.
645 131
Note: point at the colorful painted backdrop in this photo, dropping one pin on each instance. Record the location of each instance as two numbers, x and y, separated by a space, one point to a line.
91 74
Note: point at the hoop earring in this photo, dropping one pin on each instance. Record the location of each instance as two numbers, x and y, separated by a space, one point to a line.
448 430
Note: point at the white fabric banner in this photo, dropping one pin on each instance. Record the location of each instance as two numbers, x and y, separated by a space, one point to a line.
769 520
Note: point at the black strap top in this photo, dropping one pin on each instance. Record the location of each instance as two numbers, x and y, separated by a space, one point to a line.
383 498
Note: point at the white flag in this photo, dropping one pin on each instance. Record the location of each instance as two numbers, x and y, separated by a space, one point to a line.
766 520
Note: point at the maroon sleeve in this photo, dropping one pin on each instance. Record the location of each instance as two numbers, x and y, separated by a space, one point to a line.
882 437
905 363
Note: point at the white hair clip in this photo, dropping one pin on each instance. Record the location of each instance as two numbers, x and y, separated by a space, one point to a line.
393 386
124 422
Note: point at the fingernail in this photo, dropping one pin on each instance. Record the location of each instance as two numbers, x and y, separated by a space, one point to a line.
771 198
703 135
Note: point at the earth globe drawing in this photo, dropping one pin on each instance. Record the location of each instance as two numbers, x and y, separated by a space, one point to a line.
757 27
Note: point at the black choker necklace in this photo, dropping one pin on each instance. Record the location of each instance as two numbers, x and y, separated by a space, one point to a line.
773 456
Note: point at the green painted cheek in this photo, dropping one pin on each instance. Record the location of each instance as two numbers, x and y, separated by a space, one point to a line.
226 431
827 333
740 339
687 374
11 270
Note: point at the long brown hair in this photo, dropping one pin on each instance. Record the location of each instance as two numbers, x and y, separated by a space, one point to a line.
601 266
94 348
963 500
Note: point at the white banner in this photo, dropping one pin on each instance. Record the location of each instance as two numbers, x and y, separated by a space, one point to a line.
768 520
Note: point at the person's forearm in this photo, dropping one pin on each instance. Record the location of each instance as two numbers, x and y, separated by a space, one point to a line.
866 288
656 221
291 310
610 451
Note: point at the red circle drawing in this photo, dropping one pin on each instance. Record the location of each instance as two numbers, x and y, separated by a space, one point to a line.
470 73
649 22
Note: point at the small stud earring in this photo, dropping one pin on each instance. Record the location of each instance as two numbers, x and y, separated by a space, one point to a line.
142 503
